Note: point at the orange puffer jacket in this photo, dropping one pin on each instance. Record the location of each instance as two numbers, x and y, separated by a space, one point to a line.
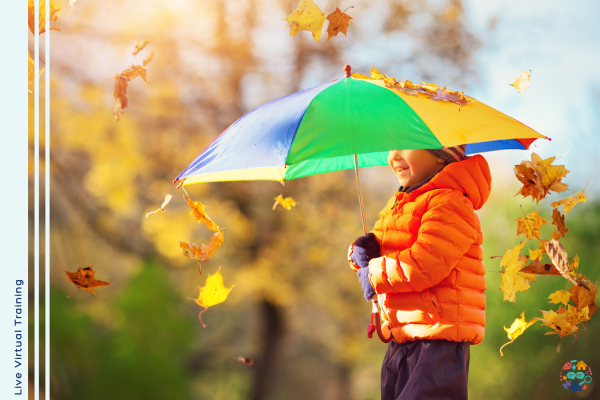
430 279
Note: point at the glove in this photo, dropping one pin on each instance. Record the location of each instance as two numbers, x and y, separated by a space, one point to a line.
363 278
365 248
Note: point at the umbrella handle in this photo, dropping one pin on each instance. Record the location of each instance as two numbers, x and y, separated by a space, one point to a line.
360 198
375 312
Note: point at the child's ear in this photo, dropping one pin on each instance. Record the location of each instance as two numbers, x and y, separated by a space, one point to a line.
440 160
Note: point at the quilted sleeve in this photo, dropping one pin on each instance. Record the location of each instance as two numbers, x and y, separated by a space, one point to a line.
448 228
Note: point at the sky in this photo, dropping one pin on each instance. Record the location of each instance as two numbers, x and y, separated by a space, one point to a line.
559 42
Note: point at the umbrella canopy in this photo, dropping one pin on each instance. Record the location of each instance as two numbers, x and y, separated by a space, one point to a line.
321 129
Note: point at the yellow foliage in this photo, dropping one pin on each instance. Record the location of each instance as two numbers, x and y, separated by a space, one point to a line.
530 225
560 296
522 82
570 201
308 17
286 203
198 211
42 16
213 292
517 328
514 281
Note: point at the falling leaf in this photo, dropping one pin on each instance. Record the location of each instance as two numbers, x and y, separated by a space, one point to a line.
517 328
338 22
192 251
247 361
570 201
120 98
212 293
558 255
31 70
539 177
584 298
42 16
558 322
514 281
84 279
286 203
168 198
522 82
530 225
560 296
140 46
308 17
147 60
198 211
540 268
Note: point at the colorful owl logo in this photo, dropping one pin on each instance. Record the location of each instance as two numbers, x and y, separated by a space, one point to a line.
575 375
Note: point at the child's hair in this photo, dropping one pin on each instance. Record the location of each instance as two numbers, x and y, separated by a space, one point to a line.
450 154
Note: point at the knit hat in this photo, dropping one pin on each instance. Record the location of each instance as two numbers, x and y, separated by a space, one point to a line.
450 154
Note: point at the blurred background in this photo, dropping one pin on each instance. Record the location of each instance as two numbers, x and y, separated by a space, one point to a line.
297 309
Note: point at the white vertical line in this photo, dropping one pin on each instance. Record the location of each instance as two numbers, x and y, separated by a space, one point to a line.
47 206
36 201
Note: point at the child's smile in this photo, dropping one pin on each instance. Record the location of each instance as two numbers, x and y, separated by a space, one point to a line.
414 166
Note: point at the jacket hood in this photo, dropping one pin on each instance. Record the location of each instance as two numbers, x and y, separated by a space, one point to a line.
471 176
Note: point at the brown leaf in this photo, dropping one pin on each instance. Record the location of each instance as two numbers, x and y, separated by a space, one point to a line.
540 268
558 220
140 46
539 177
84 279
120 98
338 22
582 298
196 253
558 255
247 361
452 96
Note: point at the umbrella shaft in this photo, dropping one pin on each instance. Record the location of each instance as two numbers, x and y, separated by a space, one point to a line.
360 199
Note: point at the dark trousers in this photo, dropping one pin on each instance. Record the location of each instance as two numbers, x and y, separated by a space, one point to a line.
425 370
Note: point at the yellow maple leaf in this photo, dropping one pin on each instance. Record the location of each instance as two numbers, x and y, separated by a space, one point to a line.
514 281
522 82
198 211
42 16
307 17
517 328
539 177
564 322
286 203
213 293
570 201
530 225
338 22
560 296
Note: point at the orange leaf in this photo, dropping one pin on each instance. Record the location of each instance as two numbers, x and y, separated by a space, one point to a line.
539 177
338 22
198 211
147 60
120 98
84 279
193 252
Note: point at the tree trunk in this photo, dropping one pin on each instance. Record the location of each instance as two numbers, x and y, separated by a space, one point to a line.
272 333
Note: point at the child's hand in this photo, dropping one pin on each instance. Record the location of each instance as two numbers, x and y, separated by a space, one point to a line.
365 248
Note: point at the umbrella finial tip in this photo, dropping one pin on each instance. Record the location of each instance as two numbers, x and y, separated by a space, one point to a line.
347 70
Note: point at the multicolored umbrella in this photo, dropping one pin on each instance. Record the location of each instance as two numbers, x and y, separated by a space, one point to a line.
321 129
351 123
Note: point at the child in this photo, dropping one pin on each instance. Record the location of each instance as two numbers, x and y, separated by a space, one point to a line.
423 261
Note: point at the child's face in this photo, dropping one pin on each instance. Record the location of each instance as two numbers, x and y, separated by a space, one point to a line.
414 166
